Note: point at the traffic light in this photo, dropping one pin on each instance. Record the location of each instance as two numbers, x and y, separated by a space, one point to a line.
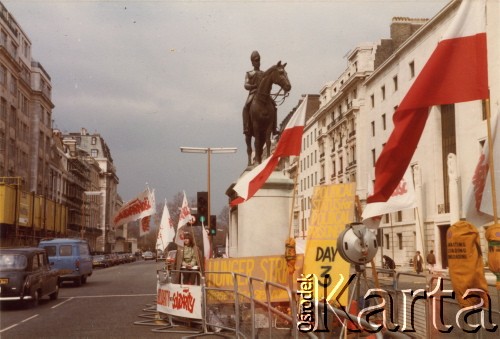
202 198
213 225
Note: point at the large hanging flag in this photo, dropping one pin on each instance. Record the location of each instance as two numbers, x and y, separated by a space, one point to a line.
402 198
166 232
142 206
457 71
184 217
289 144
479 201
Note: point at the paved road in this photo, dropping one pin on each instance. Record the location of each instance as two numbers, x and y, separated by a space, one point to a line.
106 307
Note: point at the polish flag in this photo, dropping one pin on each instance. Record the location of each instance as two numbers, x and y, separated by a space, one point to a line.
167 232
456 71
184 218
402 198
479 201
289 144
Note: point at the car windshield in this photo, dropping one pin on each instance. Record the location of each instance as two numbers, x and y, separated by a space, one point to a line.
12 261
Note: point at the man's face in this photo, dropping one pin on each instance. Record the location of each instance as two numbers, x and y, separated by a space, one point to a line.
256 61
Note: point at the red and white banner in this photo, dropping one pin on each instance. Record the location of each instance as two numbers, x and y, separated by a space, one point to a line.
142 206
289 144
184 217
144 226
402 198
166 232
457 71
179 300
479 201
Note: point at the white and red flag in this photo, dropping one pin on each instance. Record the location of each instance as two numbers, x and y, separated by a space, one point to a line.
402 198
166 232
479 201
144 226
142 206
456 71
289 144
184 217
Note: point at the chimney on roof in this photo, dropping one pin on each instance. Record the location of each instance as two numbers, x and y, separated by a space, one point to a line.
402 28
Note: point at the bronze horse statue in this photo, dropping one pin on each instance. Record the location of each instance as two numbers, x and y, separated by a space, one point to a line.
262 110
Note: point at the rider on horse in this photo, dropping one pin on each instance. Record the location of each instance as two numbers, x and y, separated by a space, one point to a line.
252 81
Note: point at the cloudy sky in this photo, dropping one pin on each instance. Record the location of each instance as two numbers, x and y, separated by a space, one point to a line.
151 76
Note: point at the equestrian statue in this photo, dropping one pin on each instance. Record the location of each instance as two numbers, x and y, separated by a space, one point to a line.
260 112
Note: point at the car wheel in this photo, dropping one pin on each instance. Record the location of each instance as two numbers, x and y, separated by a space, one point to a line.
84 279
55 294
35 298
78 281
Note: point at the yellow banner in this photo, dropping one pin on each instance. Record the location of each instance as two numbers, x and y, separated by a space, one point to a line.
332 210
269 268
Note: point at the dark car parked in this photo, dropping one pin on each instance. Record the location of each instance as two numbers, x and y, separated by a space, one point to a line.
25 275
101 260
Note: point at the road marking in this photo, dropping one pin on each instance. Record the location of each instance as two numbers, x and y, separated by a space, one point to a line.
114 295
61 303
22 321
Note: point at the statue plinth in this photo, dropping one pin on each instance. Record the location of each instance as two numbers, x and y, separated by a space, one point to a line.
260 226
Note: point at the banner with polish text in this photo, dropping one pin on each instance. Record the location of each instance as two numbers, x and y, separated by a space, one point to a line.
142 206
332 210
179 300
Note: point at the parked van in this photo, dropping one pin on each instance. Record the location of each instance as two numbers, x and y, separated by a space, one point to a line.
71 257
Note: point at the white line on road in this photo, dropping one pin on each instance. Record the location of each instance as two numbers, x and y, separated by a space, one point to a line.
61 303
114 295
22 321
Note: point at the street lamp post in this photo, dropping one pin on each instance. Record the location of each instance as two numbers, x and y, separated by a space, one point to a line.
209 151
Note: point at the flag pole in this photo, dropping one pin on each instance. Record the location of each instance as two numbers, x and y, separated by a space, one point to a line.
491 161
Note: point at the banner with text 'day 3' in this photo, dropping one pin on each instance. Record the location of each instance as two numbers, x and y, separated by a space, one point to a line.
332 210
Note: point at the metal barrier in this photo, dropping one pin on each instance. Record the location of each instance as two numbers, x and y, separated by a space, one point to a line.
413 309
233 304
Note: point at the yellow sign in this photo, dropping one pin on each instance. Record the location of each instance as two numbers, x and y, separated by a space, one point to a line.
268 268
332 210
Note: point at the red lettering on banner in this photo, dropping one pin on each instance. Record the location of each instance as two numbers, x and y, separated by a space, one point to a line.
184 301
163 297
135 207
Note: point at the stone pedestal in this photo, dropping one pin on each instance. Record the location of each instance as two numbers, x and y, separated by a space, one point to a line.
260 226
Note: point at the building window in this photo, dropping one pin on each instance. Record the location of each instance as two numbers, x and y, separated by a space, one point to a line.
94 153
373 128
382 90
395 82
94 140
412 69
3 75
372 98
383 122
484 115
399 216
374 158
387 246
400 240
